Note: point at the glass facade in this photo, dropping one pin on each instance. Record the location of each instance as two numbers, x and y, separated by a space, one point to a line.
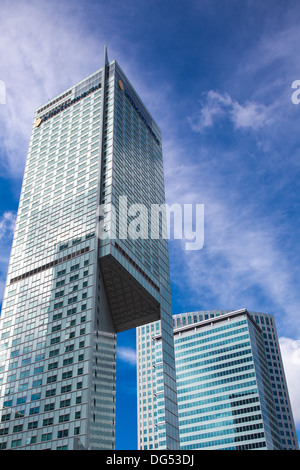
279 386
225 389
68 293
48 307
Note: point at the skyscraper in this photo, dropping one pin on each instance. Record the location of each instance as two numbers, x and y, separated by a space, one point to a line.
232 392
76 275
282 401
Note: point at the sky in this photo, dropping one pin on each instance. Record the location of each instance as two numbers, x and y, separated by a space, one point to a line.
217 77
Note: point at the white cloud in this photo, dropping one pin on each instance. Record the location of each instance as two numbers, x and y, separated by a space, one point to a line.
217 106
251 115
127 354
44 49
242 263
7 224
214 106
290 351
242 258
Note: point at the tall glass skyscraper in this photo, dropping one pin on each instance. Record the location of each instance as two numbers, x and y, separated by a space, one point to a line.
232 392
76 277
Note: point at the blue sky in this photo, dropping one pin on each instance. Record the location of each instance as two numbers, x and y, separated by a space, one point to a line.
217 78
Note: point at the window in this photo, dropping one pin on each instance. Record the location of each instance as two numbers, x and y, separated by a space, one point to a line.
48 422
73 268
67 375
72 311
18 428
37 383
16 443
49 407
57 316
59 294
5 418
64 418
56 328
58 305
24 374
66 388
21 400
33 425
26 361
40 357
35 396
68 361
55 340
52 366
65 403
51 379
54 353
50 393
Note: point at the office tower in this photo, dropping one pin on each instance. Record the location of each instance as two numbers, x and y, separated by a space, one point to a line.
279 385
76 277
230 396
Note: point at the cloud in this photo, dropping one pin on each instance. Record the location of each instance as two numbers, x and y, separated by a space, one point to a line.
44 49
216 106
241 265
251 115
245 180
7 224
127 354
290 351
248 244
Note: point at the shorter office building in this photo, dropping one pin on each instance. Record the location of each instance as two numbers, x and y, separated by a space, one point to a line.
224 387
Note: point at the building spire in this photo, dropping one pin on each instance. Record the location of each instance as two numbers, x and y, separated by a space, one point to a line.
105 55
